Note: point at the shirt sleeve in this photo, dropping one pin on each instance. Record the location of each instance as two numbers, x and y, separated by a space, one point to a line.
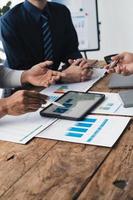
9 78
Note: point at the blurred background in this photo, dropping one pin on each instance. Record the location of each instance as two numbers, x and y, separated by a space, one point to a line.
116 17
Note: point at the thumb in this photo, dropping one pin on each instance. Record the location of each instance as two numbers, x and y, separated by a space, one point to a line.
45 64
117 57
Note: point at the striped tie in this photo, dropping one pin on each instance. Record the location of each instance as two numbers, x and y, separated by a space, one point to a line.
47 38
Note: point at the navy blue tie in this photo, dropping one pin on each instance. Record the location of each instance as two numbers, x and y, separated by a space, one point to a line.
47 38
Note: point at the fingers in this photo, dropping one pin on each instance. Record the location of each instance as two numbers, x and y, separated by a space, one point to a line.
24 101
125 71
70 61
77 61
87 63
86 75
83 63
45 64
53 76
118 57
35 96
120 69
49 78
63 74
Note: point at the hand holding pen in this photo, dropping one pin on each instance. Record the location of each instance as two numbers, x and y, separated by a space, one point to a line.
113 66
121 64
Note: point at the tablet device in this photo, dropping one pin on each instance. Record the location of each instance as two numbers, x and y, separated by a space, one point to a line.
77 105
127 98
120 81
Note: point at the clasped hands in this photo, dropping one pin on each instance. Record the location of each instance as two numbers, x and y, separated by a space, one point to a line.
79 70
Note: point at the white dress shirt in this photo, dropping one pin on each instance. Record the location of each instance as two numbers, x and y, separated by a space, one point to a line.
9 78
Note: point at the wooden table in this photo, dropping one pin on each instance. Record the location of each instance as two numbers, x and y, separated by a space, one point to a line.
53 170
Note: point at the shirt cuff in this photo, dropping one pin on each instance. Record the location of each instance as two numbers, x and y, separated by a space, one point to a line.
13 79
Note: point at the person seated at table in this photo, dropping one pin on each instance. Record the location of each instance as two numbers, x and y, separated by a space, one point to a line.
124 65
37 30
25 101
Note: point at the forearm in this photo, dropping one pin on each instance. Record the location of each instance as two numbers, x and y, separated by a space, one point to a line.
3 108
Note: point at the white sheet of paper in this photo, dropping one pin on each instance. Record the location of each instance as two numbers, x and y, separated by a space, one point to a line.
21 129
94 130
60 89
113 105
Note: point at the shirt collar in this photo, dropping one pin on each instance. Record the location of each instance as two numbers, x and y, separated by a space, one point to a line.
34 11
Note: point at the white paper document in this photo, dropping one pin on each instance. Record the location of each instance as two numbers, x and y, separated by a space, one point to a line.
59 89
94 130
113 105
21 129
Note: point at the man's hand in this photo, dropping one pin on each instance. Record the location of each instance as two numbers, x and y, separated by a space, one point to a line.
124 65
124 58
23 101
124 69
79 70
40 75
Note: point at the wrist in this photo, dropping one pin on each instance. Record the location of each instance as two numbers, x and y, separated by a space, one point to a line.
3 107
24 77
64 78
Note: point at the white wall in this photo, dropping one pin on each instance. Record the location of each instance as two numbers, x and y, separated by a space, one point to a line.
116 17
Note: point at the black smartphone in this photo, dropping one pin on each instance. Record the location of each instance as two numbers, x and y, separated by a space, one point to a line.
108 58
76 105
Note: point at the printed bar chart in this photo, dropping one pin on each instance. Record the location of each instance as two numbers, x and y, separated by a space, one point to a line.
53 98
61 89
98 130
80 128
94 130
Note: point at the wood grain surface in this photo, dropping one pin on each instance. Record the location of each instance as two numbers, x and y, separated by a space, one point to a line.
52 170
114 180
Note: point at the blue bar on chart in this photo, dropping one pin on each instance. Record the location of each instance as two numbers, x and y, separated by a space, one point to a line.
80 128
91 120
84 125
77 135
